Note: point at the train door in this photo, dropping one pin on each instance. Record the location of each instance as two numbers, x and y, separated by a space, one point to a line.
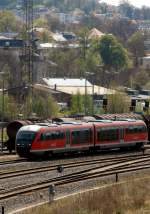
67 138
121 135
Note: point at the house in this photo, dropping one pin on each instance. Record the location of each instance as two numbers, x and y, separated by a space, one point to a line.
69 18
68 87
144 27
95 34
145 62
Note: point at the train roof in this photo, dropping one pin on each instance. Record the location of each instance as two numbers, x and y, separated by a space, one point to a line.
41 126
36 127
119 122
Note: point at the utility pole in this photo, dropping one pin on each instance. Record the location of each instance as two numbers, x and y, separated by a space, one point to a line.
29 46
85 99
2 115
28 8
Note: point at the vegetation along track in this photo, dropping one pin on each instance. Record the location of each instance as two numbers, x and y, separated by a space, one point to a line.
10 174
121 166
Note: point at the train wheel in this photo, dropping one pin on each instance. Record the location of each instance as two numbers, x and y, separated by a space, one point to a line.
47 154
139 146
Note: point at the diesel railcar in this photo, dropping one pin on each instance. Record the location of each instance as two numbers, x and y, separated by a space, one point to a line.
50 139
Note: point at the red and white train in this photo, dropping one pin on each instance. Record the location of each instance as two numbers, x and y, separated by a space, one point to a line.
49 139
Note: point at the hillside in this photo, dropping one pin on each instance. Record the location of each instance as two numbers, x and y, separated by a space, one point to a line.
63 5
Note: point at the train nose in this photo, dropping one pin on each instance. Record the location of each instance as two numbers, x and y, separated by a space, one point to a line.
23 150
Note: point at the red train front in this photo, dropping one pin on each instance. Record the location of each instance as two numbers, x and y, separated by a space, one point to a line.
49 139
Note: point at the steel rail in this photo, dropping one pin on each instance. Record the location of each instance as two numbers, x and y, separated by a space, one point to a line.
11 174
74 177
12 161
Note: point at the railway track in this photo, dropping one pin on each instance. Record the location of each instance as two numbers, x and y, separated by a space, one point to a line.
20 160
122 166
23 172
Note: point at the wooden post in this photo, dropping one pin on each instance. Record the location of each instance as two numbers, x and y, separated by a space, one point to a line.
3 210
51 192
117 178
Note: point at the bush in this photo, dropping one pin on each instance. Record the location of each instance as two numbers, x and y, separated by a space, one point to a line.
118 103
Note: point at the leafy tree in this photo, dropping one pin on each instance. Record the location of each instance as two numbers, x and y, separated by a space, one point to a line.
126 9
77 104
9 104
44 106
89 58
8 22
145 13
121 28
68 5
118 103
40 22
113 54
81 104
88 104
140 79
136 45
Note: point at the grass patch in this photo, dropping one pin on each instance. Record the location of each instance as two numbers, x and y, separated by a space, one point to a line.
128 198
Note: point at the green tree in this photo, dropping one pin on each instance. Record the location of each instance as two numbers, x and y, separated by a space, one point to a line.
9 104
140 79
118 103
44 106
126 9
89 56
77 104
80 102
113 54
41 22
136 46
8 22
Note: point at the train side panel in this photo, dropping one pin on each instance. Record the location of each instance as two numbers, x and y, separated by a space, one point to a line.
64 139
120 134
136 133
49 139
107 135
82 137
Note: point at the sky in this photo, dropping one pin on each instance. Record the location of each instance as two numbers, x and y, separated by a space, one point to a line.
136 3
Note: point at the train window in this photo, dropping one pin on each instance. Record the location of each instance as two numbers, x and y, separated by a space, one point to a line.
136 129
54 135
107 134
26 136
81 136
142 129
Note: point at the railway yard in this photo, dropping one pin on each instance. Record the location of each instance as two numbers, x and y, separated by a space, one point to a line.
24 183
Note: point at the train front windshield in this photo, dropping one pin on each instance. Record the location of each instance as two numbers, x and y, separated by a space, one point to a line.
25 138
